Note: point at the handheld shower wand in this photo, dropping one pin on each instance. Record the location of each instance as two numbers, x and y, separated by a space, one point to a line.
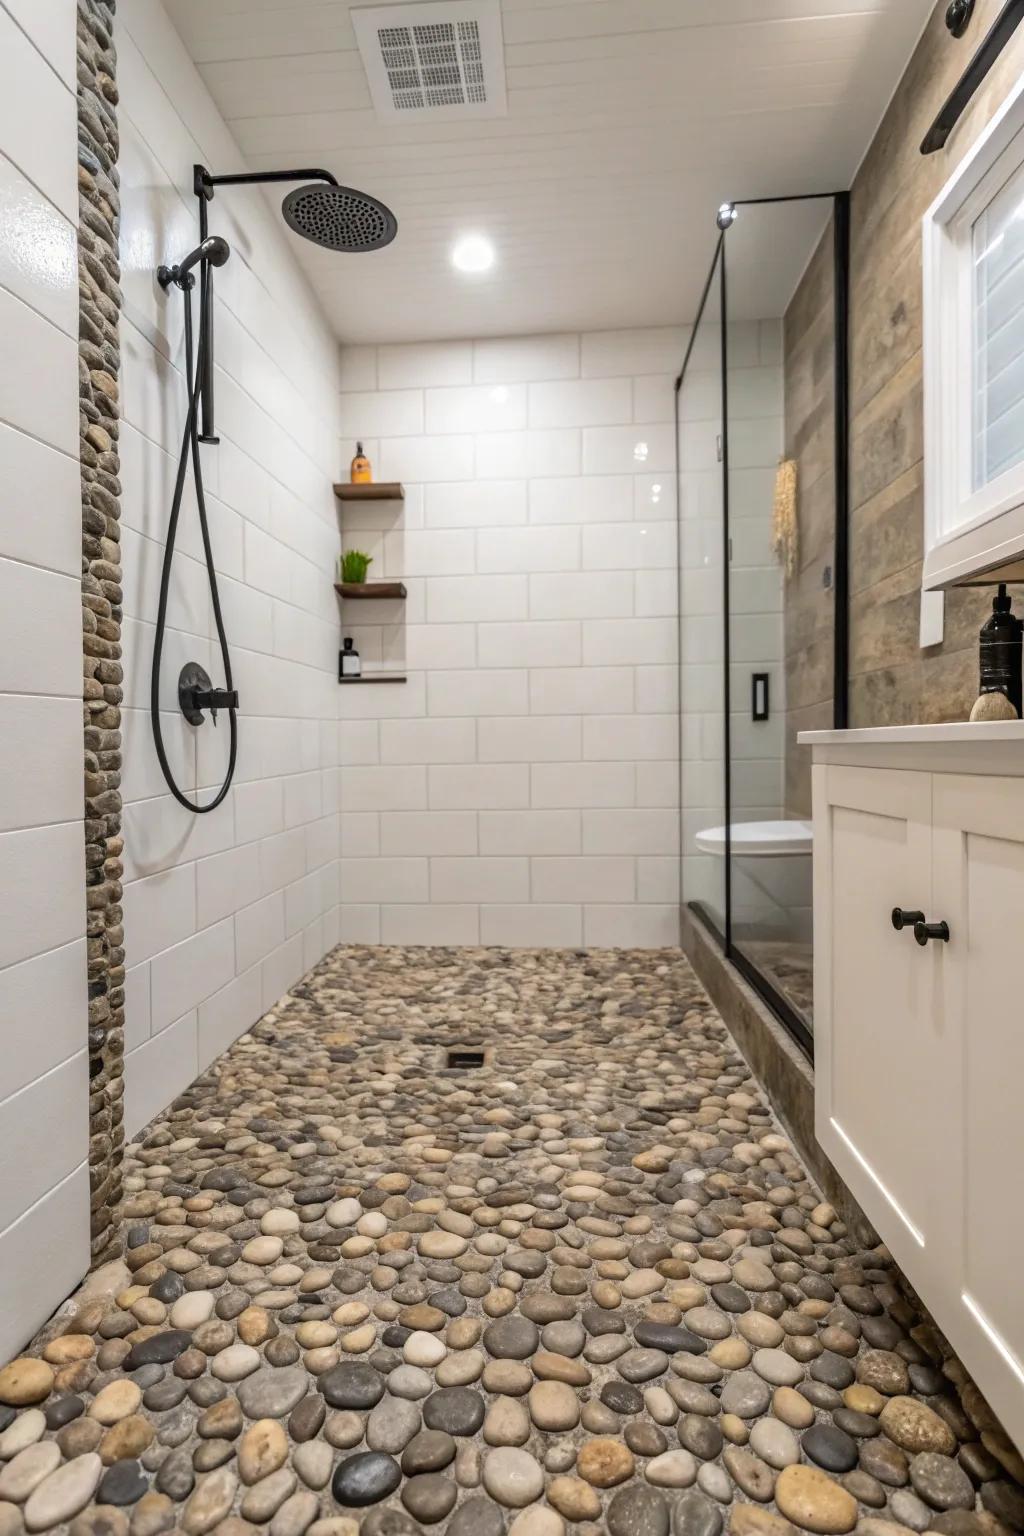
196 692
214 249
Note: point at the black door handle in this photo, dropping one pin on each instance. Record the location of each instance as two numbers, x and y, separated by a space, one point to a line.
901 919
925 931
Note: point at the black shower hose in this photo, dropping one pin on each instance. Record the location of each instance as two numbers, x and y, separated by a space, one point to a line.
190 448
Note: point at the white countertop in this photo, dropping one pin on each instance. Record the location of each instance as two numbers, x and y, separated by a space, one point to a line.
959 732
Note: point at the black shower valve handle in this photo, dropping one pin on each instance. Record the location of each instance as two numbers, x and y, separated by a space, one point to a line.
196 693
214 699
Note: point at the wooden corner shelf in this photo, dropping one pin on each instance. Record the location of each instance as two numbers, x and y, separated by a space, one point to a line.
374 677
377 589
376 490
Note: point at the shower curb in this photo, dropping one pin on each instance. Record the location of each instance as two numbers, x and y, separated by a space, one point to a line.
777 1062
99 361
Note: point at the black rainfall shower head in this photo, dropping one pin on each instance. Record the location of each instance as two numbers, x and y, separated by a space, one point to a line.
339 218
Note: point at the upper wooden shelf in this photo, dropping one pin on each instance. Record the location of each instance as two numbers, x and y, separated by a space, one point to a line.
377 490
370 588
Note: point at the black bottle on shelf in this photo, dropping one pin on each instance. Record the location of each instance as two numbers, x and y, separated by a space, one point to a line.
350 662
1001 650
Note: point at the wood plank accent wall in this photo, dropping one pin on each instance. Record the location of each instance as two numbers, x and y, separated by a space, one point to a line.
892 681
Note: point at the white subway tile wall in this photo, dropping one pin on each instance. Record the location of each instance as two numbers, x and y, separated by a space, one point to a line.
522 788
223 912
44 1198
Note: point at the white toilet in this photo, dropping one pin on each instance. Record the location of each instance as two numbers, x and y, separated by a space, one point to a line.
759 839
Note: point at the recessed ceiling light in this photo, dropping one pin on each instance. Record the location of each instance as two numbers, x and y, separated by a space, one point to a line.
473 253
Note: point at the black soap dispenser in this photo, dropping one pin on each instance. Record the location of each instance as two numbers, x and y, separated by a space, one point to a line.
350 663
1000 660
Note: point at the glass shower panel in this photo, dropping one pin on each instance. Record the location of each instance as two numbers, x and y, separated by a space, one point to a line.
701 510
780 487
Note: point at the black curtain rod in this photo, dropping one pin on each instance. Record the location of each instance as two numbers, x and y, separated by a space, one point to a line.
1002 29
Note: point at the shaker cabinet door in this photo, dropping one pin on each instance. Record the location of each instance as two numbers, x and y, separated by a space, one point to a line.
882 1032
978 852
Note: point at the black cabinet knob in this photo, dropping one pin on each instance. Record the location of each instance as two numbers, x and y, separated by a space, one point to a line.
958 16
901 919
925 931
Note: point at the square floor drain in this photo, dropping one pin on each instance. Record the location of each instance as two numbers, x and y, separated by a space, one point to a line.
464 1060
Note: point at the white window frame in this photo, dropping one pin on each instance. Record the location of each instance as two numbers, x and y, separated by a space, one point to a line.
966 532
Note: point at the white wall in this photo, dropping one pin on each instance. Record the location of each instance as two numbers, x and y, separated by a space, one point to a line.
222 912
44 1181
522 787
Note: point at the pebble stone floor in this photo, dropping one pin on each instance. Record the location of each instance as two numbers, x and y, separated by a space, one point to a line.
585 1288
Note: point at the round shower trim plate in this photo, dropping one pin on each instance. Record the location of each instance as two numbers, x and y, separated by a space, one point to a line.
192 679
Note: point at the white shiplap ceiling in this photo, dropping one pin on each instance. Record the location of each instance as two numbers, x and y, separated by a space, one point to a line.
628 122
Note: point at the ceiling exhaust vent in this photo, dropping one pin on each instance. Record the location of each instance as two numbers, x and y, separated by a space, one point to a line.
438 58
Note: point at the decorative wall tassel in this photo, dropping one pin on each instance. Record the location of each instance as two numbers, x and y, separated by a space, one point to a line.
785 526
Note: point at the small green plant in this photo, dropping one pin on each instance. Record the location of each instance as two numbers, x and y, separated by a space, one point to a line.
354 566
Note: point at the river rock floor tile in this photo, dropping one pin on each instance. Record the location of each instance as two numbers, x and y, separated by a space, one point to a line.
583 1289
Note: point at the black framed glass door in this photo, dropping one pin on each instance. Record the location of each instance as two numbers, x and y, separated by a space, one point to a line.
763 596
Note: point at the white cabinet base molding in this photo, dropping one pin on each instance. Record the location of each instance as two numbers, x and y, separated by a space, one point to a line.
919 1017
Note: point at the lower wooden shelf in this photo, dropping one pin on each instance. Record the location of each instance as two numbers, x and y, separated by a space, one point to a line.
374 677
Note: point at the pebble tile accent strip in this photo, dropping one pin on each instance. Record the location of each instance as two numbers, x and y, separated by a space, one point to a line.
587 1287
99 352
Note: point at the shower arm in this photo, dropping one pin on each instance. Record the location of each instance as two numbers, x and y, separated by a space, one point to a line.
203 184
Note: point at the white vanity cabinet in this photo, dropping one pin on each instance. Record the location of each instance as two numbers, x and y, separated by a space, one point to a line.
919 1048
